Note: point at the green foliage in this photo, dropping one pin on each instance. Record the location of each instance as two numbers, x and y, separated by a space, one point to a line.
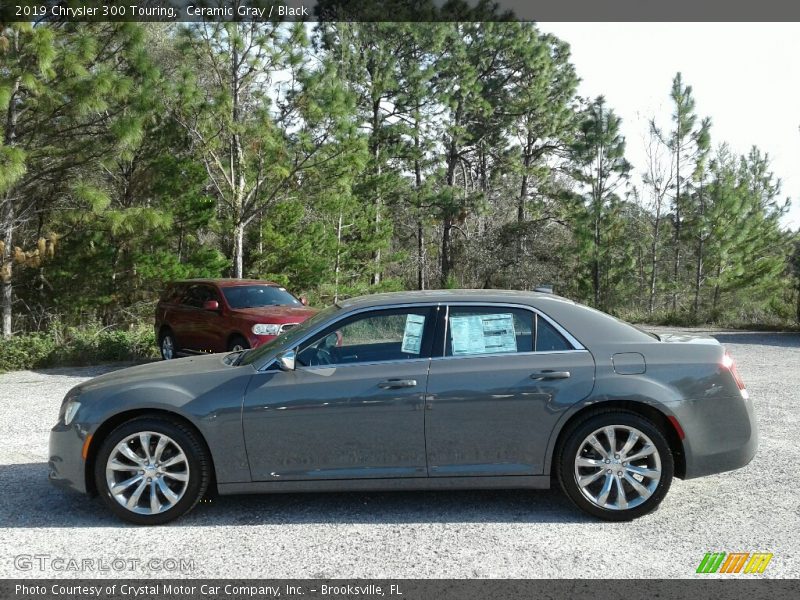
89 345
373 156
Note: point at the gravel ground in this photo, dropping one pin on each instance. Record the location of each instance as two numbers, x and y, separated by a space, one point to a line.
514 534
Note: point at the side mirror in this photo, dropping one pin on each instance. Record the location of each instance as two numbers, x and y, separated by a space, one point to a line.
210 305
304 300
286 360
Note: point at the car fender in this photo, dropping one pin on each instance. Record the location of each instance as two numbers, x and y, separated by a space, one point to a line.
218 421
610 387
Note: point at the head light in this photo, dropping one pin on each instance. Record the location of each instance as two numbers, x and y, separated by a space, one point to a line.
266 329
70 410
70 406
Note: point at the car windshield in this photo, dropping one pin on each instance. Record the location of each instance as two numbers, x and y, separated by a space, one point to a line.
289 337
256 296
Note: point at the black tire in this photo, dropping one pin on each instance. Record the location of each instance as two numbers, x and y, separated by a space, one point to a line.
237 342
573 443
187 441
165 341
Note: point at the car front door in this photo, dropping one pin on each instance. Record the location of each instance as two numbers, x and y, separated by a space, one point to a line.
501 380
352 408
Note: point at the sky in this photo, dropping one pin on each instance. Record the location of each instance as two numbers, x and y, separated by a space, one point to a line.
744 76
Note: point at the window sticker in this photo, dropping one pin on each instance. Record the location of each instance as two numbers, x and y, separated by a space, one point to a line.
412 336
483 334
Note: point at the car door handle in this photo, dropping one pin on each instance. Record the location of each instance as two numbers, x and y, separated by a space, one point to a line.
397 383
546 375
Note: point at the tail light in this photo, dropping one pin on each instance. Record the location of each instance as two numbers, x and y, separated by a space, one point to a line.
730 364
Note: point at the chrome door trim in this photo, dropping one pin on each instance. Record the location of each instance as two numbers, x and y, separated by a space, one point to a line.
576 345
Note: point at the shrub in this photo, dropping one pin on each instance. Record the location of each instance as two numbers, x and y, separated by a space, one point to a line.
77 346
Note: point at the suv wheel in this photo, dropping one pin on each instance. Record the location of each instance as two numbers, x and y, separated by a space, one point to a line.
237 343
167 345
150 470
615 465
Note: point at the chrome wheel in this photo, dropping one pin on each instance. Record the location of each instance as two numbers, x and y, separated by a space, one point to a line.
167 347
147 473
617 467
237 348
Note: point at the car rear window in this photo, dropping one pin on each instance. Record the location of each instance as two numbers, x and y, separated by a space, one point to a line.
256 296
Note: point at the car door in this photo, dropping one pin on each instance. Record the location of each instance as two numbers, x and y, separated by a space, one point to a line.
353 406
501 380
208 331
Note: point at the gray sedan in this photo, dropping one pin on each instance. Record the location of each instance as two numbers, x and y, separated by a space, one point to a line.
418 390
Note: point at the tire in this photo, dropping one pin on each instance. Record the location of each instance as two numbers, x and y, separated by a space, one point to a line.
611 487
167 346
236 343
174 489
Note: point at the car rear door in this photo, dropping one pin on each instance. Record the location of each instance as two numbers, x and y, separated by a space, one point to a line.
353 406
503 376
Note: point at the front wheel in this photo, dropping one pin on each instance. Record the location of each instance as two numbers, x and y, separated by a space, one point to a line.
167 345
150 470
237 343
615 465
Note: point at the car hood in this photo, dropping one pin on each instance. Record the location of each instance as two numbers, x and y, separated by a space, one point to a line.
162 370
285 313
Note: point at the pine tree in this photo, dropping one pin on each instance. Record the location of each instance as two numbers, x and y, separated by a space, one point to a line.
598 154
70 94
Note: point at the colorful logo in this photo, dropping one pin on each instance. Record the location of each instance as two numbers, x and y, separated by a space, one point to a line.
734 562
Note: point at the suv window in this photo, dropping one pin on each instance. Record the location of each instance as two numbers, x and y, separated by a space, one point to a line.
376 336
256 296
196 295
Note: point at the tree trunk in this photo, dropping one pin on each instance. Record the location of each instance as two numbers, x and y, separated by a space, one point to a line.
677 258
5 275
238 250
420 222
654 258
596 260
376 155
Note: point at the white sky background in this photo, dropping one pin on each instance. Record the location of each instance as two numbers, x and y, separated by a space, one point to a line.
745 76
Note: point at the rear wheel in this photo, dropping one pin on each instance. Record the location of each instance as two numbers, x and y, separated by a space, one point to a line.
150 470
615 465
237 343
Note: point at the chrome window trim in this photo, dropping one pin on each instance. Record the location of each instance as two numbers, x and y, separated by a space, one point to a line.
347 315
498 354
576 345
404 361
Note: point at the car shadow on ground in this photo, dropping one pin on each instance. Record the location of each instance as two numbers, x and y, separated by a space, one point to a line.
30 501
778 339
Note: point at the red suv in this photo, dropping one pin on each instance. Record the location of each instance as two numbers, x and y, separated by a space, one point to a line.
218 315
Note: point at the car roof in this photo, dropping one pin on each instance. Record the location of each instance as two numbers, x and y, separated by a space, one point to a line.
228 282
588 325
436 296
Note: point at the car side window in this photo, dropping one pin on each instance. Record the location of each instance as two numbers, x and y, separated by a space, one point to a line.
488 330
548 339
375 336
196 295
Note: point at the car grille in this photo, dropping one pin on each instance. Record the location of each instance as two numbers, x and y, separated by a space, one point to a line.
287 326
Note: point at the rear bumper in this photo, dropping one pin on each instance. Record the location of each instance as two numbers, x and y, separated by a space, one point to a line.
721 434
66 467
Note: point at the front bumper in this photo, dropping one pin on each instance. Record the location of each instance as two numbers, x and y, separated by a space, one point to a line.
66 467
721 434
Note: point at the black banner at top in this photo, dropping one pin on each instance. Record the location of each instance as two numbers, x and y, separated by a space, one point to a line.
398 10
